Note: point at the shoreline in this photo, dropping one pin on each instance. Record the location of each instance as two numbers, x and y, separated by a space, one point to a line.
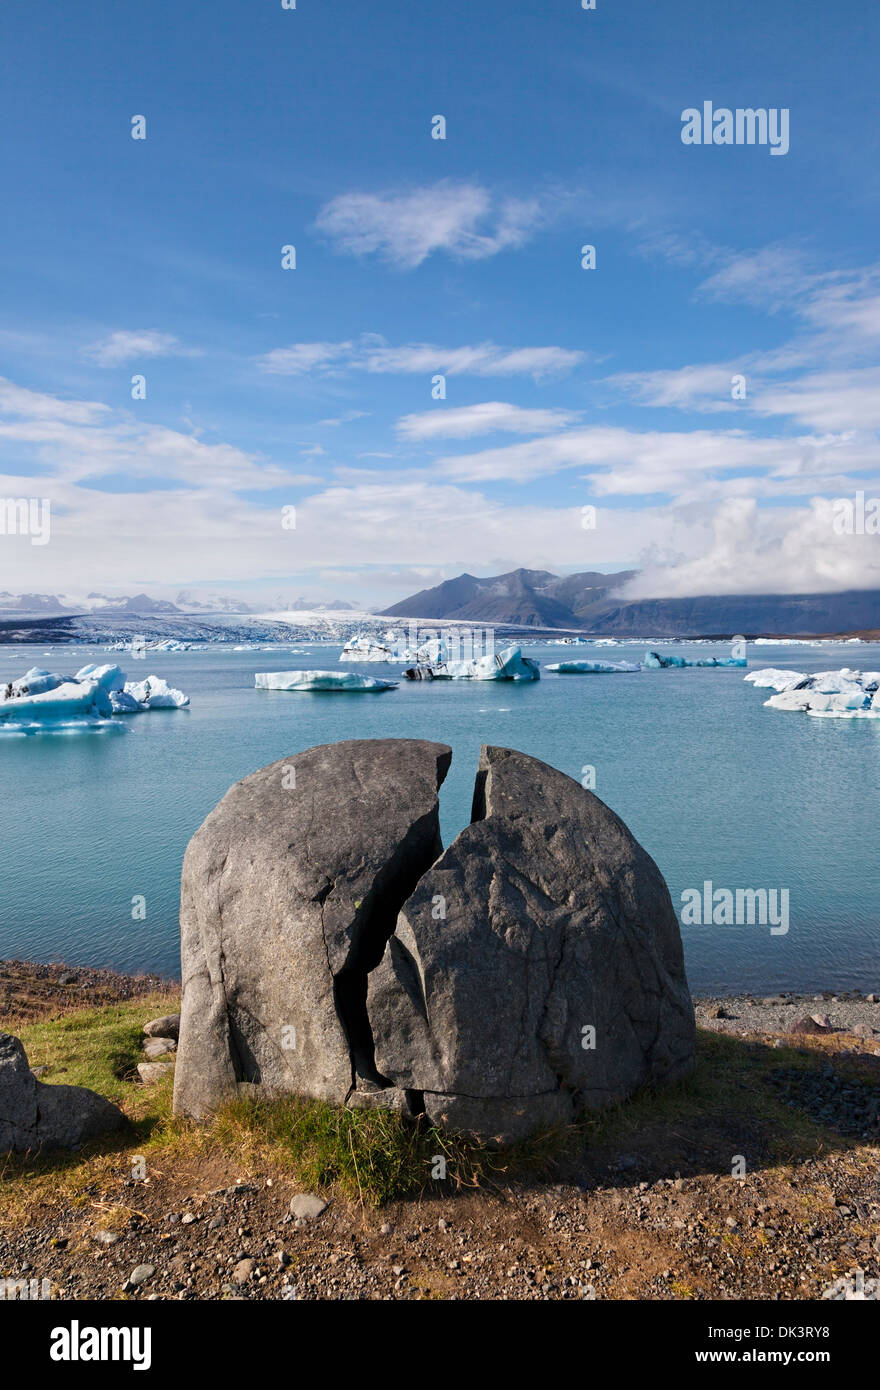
31 989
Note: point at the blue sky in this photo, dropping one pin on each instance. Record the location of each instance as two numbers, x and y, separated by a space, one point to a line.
312 387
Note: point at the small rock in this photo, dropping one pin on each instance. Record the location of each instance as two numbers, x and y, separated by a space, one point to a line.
862 1030
874 998
822 1021
243 1271
140 1274
68 978
807 1025
307 1207
167 1027
188 1218
154 1048
149 1072
385 1228
39 1071
106 1237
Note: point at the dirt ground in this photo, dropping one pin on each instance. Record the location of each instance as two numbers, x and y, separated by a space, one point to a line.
708 1209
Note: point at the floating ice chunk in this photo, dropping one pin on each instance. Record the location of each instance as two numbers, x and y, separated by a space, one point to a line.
593 668
123 703
363 647
654 661
108 677
506 665
773 679
155 693
319 680
36 681
68 701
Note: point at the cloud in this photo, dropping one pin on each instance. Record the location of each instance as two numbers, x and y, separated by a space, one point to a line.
748 551
468 421
346 418
302 357
124 346
404 228
372 354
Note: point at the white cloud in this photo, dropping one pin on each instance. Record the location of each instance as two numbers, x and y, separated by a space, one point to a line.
467 421
124 346
749 551
302 357
372 354
405 228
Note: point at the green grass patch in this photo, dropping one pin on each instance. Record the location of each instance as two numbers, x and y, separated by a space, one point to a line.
726 1107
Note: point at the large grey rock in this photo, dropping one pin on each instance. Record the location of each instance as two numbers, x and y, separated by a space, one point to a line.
289 893
545 918
35 1116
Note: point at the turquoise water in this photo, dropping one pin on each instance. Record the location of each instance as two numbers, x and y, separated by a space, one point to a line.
714 786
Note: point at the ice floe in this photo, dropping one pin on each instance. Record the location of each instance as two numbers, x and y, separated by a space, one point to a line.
592 668
155 693
655 662
506 665
843 694
319 680
42 700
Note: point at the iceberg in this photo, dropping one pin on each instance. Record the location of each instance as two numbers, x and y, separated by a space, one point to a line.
773 679
44 699
108 677
67 704
506 665
843 694
319 680
592 668
363 647
655 662
155 693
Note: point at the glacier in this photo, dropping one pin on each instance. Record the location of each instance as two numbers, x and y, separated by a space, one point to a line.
319 680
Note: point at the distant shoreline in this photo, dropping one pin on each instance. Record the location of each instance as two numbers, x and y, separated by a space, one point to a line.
60 630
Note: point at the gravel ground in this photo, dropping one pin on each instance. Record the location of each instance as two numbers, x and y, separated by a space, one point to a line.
665 1221
776 1013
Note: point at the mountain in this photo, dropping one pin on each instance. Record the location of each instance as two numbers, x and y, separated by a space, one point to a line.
311 605
522 598
189 601
585 602
102 606
30 603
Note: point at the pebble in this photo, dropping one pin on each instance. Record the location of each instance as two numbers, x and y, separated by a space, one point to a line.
243 1271
307 1207
140 1274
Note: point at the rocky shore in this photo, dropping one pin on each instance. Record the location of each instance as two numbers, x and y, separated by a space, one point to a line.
653 1210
